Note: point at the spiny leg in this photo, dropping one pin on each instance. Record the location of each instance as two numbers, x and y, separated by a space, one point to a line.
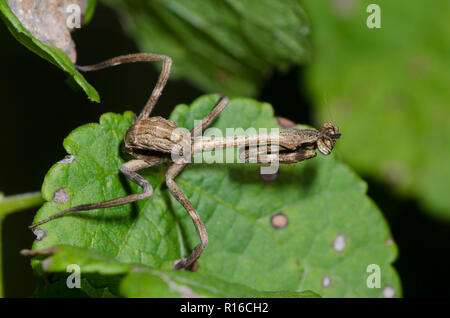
206 121
128 169
220 106
189 261
134 58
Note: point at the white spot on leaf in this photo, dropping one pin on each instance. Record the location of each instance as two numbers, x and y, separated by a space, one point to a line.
326 281
40 234
67 159
388 292
339 243
61 196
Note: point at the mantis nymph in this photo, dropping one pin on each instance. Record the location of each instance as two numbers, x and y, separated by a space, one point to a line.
150 142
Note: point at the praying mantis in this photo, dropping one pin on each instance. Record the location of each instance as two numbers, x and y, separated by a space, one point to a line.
150 141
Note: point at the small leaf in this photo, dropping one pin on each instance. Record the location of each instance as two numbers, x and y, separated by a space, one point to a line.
12 204
42 29
388 91
143 281
221 46
333 231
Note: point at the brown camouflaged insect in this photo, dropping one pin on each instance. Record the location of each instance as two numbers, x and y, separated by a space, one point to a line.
149 141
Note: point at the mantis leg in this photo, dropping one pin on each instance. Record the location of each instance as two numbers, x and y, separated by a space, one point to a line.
220 106
296 156
129 170
134 58
255 155
188 262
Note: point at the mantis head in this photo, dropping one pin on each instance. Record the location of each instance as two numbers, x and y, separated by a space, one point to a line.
327 139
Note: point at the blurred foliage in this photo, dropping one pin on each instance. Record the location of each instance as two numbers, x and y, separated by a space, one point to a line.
388 91
12 204
227 46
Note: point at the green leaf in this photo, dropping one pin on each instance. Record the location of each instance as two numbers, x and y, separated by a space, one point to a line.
90 9
143 281
322 198
221 46
50 53
387 89
12 204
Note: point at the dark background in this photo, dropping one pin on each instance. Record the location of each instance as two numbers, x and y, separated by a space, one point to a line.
38 109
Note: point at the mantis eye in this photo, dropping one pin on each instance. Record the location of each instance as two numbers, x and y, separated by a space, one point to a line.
325 145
